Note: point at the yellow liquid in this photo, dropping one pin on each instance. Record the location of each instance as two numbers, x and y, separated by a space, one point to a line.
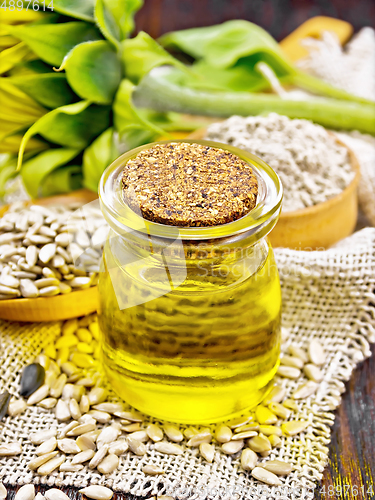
201 353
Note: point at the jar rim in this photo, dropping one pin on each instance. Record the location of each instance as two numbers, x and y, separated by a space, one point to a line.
260 220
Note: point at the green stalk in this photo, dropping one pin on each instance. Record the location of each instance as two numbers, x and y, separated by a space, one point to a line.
157 92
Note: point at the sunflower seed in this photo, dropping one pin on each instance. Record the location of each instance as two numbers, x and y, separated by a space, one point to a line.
259 444
108 435
293 361
294 427
305 390
269 430
290 404
109 464
100 416
32 379
136 426
37 462
42 436
68 446
26 492
167 448
16 407
9 292
118 447
265 454
69 467
69 368
99 456
298 352
313 373
3 491
48 403
84 404
97 395
10 449
97 492
244 435
5 398
265 476
275 441
154 433
87 381
223 434
139 436
237 422
108 407
38 395
9 280
64 431
152 470
38 239
47 447
247 427
39 496
198 439
82 429
58 386
316 353
49 291
84 442
55 494
173 433
288 372
137 447
249 459
51 465
43 282
207 451
232 447
280 410
265 416
278 467
83 456
62 411
71 391
74 409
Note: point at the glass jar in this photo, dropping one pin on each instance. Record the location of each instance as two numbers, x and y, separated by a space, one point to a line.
190 315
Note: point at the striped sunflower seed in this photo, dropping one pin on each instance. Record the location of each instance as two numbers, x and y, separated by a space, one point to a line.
42 436
167 448
10 449
47 447
223 434
137 447
316 353
265 416
232 447
278 467
99 456
152 470
154 432
259 444
265 476
207 451
51 465
109 464
5 398
288 372
55 494
173 433
83 456
26 492
305 390
313 373
68 446
294 427
37 462
97 492
249 459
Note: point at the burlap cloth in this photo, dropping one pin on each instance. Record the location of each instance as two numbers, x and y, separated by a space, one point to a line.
326 295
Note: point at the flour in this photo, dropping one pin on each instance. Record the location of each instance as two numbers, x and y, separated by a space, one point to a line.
312 166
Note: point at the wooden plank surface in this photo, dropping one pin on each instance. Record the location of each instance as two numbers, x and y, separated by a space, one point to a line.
350 473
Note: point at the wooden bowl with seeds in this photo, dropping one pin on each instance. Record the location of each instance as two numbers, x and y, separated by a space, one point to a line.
320 226
59 307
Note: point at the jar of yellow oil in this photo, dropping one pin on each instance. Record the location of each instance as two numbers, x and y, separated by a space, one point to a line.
190 301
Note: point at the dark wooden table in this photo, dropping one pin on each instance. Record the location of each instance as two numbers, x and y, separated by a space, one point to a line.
350 474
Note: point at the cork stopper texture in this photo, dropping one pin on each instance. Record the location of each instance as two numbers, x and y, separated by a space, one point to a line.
189 185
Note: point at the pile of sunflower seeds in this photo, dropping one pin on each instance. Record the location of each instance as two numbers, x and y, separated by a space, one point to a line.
312 166
46 251
94 430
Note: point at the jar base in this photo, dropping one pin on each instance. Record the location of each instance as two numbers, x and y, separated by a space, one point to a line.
191 404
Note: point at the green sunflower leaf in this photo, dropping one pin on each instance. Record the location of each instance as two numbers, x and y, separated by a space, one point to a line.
93 70
51 42
82 9
35 170
115 18
62 180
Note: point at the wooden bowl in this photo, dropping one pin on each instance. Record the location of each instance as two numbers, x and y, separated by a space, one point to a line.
59 307
320 226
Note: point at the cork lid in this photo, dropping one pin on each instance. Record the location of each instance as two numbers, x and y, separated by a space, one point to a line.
185 184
